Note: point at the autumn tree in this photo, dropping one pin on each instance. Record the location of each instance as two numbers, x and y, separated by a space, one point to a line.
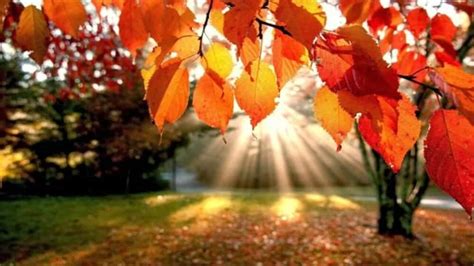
364 64
82 127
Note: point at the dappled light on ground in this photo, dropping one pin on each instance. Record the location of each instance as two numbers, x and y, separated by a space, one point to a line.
287 208
226 228
207 207
332 201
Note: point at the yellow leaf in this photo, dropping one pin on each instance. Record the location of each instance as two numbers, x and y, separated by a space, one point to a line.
218 59
334 119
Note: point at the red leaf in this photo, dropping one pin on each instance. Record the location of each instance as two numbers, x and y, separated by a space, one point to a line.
385 17
417 21
449 155
411 62
443 27
445 58
351 60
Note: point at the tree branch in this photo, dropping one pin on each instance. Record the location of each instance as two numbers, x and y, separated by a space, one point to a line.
365 157
412 79
466 45
208 14
278 27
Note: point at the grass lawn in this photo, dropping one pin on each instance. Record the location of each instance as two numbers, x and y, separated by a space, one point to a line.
238 228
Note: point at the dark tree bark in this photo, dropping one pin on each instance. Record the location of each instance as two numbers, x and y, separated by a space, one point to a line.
397 201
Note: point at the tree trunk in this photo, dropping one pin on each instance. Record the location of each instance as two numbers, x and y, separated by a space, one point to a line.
395 211
395 218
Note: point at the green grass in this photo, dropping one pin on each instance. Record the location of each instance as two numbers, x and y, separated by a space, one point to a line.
35 225
117 229
63 223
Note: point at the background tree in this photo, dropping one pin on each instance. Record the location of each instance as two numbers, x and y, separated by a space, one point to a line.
85 129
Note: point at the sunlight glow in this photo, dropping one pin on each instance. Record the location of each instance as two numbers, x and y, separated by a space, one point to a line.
288 149
288 208
208 207
332 201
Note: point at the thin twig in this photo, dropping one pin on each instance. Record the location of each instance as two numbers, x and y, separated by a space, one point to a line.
413 79
278 27
208 14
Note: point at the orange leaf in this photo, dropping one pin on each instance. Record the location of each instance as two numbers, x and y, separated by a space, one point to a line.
68 15
239 21
132 28
458 85
400 131
3 10
184 47
449 155
149 67
288 57
217 20
390 127
168 93
213 101
304 19
357 11
351 60
334 119
163 22
250 51
179 5
98 5
108 3
32 33
256 90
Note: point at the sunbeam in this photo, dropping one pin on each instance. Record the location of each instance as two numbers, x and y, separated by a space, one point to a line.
286 150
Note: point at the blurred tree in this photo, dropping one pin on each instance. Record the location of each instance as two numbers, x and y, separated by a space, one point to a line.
84 129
